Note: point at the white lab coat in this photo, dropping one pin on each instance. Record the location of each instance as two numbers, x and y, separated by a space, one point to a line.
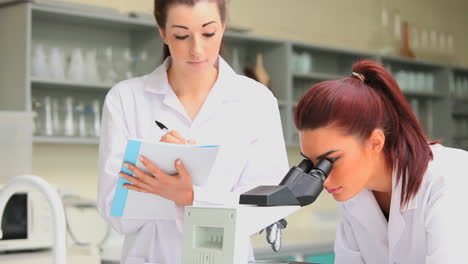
239 114
431 229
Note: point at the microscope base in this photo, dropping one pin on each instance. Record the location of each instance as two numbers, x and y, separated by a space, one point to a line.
222 234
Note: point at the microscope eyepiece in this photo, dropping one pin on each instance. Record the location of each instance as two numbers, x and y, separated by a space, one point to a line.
325 166
306 165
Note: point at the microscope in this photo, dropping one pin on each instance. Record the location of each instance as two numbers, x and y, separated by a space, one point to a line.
221 235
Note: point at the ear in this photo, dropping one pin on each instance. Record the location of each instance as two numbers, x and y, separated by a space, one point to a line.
162 33
376 140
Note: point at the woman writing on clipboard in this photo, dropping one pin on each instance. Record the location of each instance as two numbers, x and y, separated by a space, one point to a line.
197 95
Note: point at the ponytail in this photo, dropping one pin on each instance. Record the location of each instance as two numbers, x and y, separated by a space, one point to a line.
379 103
407 144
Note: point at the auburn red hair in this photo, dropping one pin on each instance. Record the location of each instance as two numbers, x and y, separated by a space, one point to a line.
358 107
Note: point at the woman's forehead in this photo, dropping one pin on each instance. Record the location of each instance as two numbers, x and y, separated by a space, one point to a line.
316 141
193 17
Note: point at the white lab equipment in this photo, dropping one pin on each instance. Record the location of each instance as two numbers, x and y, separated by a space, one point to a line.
76 70
69 124
52 197
57 63
26 222
222 234
48 124
106 65
90 61
79 110
40 65
15 143
93 118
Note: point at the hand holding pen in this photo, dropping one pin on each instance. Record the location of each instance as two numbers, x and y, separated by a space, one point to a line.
172 136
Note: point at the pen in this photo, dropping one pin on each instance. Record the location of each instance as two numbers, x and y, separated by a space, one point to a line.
166 130
161 126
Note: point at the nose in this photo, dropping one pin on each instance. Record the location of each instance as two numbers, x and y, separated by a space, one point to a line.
197 47
327 181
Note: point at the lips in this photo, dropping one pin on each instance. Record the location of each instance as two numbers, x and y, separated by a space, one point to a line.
334 190
196 62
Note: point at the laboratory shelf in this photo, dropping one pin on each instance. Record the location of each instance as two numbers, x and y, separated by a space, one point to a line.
460 114
461 100
90 15
317 76
65 140
69 26
38 83
417 63
427 95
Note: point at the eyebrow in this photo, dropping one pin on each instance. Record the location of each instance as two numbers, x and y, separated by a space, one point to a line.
321 156
206 24
184 27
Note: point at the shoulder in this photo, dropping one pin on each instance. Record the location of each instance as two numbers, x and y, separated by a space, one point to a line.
127 87
252 91
447 163
244 87
446 172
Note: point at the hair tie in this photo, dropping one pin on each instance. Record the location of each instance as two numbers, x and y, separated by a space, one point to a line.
358 75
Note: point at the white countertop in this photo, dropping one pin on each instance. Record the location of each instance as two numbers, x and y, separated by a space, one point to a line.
74 256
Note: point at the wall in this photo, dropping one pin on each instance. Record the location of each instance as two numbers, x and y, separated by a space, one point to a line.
339 23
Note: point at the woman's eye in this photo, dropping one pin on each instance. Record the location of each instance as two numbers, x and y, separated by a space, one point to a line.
334 159
181 37
209 35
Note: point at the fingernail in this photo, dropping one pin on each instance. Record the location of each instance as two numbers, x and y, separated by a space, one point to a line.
126 165
178 162
141 158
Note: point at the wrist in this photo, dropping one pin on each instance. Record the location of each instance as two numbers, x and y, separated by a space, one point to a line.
187 198
190 197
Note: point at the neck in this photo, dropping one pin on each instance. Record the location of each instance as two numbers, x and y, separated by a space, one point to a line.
191 84
381 184
381 180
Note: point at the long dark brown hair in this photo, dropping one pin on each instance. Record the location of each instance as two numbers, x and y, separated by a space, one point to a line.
162 6
358 107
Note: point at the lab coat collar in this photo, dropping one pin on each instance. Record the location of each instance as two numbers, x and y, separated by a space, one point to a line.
157 81
396 199
396 222
222 91
366 210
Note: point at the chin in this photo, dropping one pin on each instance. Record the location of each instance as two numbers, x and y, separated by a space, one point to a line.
343 197
340 198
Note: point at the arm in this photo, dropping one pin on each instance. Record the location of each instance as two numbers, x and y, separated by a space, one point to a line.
111 150
267 160
346 246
